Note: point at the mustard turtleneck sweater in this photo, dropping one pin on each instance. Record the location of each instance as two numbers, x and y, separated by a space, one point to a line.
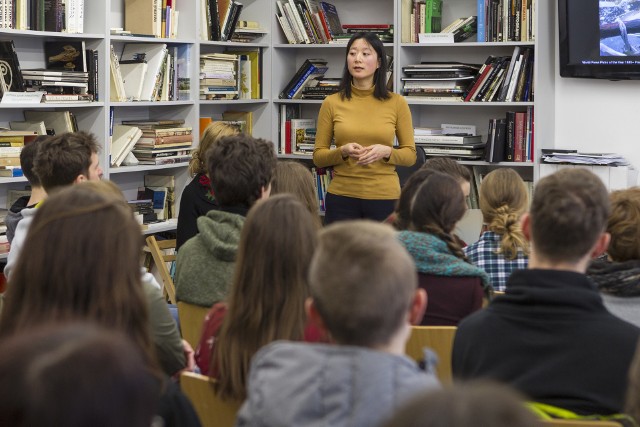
367 121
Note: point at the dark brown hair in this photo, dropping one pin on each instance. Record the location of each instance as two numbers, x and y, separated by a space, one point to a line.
269 288
463 405
402 219
624 225
239 167
74 375
450 167
437 206
362 282
62 158
80 262
27 158
569 212
380 90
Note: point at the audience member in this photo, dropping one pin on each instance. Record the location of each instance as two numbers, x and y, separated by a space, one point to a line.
27 156
62 160
452 168
240 168
632 406
550 335
467 405
364 293
267 295
502 248
85 274
294 178
74 375
455 287
618 275
197 197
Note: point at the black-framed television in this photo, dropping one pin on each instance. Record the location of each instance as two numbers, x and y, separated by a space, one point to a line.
599 39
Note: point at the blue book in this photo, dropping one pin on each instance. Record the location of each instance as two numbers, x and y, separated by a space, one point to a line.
481 21
312 72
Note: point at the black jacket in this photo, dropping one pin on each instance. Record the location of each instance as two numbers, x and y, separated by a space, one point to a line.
550 337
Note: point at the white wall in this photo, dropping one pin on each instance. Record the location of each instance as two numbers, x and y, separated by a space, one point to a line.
594 115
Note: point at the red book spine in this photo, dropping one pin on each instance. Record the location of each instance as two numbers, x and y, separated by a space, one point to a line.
519 144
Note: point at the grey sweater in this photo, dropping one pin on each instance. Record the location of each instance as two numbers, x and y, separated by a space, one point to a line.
313 385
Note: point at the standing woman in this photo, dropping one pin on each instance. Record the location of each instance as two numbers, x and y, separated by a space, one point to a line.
364 117
198 198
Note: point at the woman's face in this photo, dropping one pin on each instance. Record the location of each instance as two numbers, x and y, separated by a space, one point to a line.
362 61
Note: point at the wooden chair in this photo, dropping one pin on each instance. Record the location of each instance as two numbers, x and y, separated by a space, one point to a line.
212 411
580 423
160 259
191 318
440 340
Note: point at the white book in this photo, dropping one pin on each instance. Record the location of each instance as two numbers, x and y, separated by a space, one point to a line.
514 79
36 126
154 54
133 75
284 24
299 23
164 92
117 92
123 140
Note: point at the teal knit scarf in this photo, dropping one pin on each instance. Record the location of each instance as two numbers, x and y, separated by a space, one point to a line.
432 256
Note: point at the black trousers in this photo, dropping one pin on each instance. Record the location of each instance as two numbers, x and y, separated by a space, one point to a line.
341 208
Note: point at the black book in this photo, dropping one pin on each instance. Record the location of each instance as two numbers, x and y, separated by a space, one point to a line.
491 135
215 20
13 74
300 74
65 55
53 15
510 136
493 74
92 59
499 141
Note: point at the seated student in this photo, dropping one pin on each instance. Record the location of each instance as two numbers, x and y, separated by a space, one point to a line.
364 293
467 405
267 294
75 375
240 168
618 275
197 197
550 335
502 248
84 273
294 178
455 287
27 156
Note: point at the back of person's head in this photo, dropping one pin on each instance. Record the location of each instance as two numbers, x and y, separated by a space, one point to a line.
569 212
402 219
240 168
503 200
294 178
210 136
467 405
74 375
362 283
624 225
80 261
27 158
269 288
450 167
62 158
437 206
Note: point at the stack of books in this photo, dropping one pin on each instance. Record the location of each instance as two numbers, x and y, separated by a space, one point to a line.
309 72
442 142
162 142
11 144
438 81
383 31
219 76
143 210
247 32
303 135
320 88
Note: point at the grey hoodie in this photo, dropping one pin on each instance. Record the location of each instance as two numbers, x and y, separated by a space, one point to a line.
313 385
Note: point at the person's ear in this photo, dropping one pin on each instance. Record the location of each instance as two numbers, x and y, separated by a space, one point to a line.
601 245
418 306
313 316
525 223
80 178
265 192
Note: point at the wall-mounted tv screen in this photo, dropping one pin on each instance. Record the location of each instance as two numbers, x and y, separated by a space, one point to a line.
599 39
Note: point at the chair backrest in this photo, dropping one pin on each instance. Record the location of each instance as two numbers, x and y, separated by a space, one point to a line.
437 338
191 318
404 172
160 259
580 423
212 411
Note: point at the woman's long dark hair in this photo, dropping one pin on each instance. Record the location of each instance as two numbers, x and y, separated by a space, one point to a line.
380 90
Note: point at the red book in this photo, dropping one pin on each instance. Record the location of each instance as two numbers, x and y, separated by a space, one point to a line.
287 138
479 83
519 154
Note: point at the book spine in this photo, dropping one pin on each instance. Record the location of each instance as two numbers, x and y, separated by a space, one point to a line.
481 35
312 70
510 136
518 146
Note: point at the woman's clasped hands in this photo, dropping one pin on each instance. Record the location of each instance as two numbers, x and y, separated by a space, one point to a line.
365 155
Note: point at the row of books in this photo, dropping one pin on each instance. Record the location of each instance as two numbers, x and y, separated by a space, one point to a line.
220 18
511 138
309 21
150 72
45 15
297 134
152 18
506 20
426 17
322 178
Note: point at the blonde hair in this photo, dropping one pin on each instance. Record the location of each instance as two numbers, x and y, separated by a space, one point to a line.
210 136
624 225
294 178
503 200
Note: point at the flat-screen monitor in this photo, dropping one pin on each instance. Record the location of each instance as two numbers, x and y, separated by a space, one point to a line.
599 39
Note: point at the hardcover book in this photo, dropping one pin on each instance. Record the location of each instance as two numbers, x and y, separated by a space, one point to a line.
154 54
11 72
66 55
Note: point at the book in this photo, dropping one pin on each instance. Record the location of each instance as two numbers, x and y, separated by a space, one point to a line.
116 84
33 126
123 140
67 55
299 129
59 121
447 139
242 116
12 73
155 55
310 69
133 75
330 15
164 181
143 17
